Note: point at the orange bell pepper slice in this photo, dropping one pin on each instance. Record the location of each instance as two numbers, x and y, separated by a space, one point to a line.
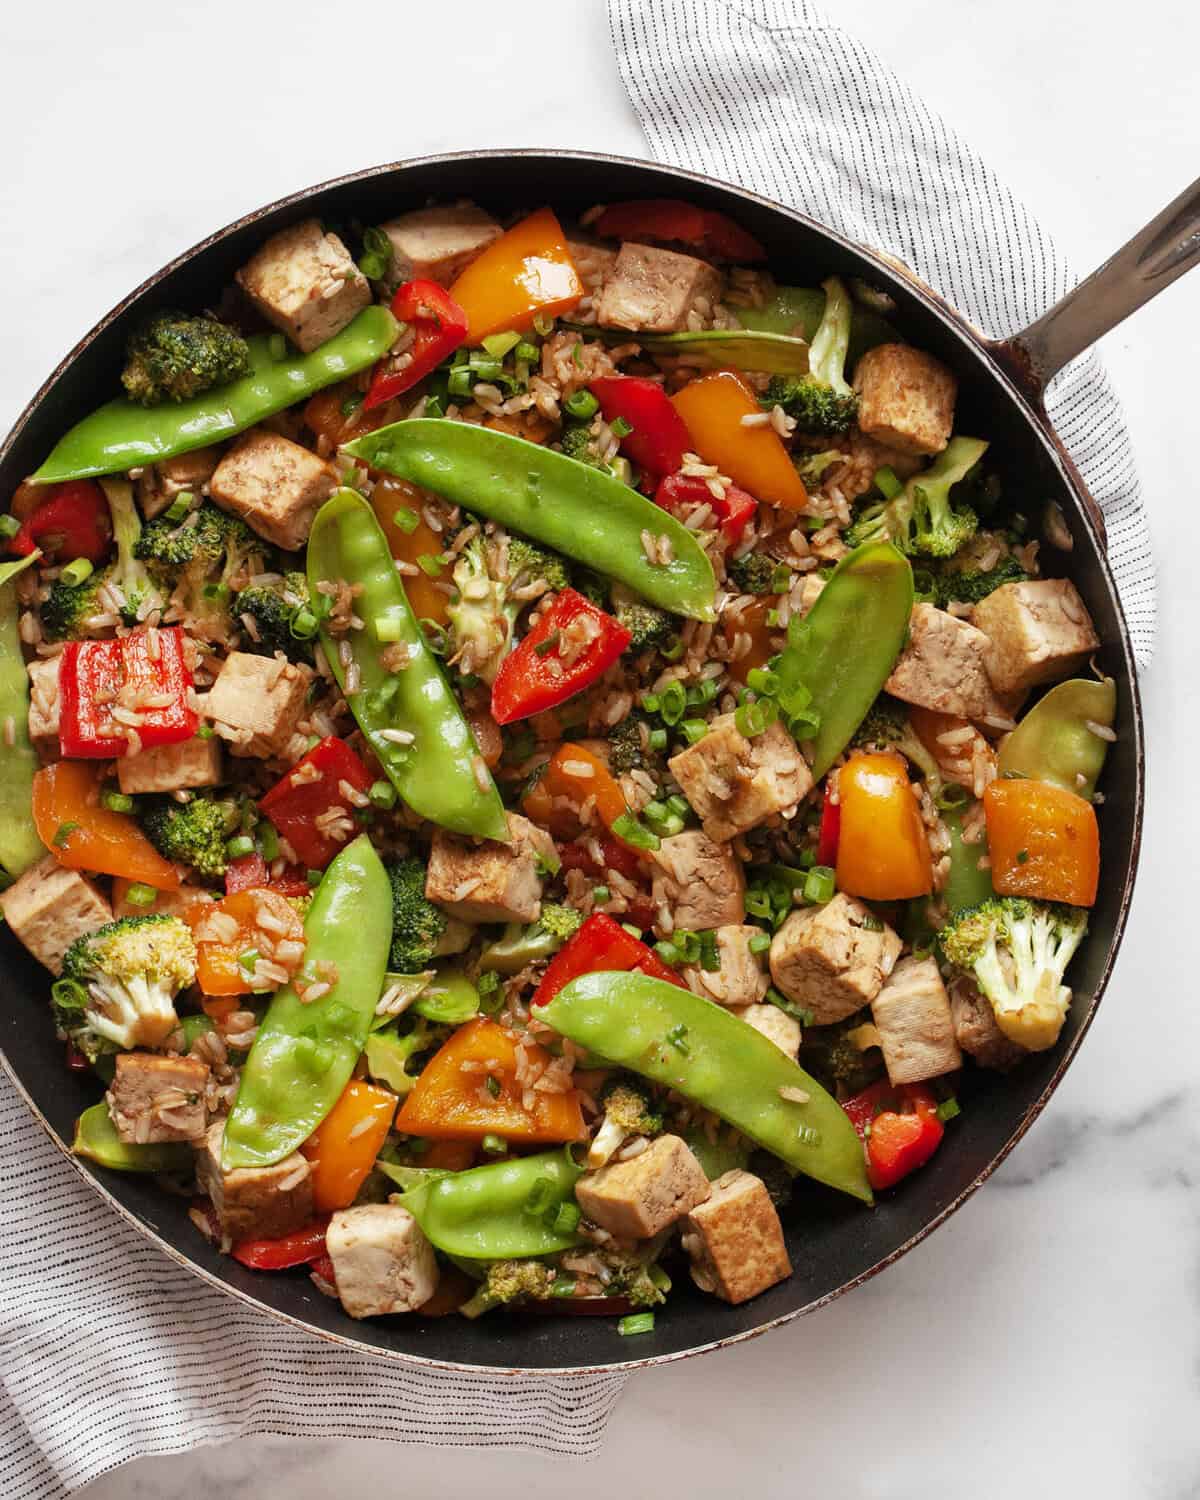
575 773
883 852
343 1148
1044 842
447 1103
83 835
218 969
529 270
754 457
410 543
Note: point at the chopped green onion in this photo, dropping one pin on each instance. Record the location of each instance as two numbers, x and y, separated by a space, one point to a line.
76 572
492 1085
460 381
277 346
679 805
527 353
117 802
886 482
388 627
62 833
672 702
600 894
376 259
673 650
69 993
658 739
141 895
668 952
693 730
753 718
631 1323
500 344
948 1109
303 625
483 368
630 831
566 1219
709 956
759 943
248 959
541 1196
382 794
762 680
819 885
632 929
430 563
494 1145
205 732
621 428
650 702
268 840
551 643
677 1038
542 324
433 408
179 507
871 923
581 405
781 579
241 844
407 520
9 526
563 1287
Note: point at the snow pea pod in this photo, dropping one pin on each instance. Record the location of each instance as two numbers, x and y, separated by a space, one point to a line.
577 510
500 1211
304 1054
798 310
966 884
1054 742
96 1138
690 1044
440 773
844 649
121 434
20 846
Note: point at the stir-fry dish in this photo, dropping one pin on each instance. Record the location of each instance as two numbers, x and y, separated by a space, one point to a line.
523 742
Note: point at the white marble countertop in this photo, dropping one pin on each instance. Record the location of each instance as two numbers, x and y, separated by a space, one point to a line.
1048 1338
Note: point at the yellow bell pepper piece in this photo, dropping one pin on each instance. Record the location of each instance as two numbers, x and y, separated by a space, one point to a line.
526 271
755 459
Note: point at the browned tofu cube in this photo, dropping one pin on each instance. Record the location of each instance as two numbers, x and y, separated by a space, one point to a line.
833 959
49 907
437 243
275 485
381 1260
701 882
653 291
1039 631
976 1030
44 707
912 1016
942 667
740 977
734 1240
906 398
304 282
635 1199
154 1098
489 882
167 768
256 703
159 484
775 1024
254 1203
593 259
735 783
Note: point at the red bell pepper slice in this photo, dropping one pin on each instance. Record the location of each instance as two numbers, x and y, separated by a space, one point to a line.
94 677
303 1247
830 831
601 944
302 804
249 873
614 856
439 325
681 223
899 1127
734 510
658 439
535 677
73 521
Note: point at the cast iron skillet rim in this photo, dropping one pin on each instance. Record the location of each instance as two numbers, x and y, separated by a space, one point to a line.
889 271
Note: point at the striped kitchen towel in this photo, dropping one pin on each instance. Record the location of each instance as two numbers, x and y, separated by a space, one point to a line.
769 94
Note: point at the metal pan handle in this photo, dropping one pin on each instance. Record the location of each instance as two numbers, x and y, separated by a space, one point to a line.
1154 258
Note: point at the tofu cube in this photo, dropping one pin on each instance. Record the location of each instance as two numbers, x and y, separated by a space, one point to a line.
833 959
734 1240
1039 631
438 243
740 978
254 1203
158 484
381 1260
775 1024
164 768
975 1028
275 485
943 667
593 259
916 1029
735 783
635 1199
49 907
906 398
44 707
305 283
254 705
154 1098
652 291
490 882
702 883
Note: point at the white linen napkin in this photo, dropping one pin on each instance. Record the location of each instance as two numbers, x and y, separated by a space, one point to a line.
108 1350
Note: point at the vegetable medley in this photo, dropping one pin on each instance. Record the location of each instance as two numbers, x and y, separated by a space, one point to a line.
522 744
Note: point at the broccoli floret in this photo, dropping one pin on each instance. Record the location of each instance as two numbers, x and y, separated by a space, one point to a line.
645 1285
833 1054
1017 951
530 564
813 465
646 623
418 927
274 608
754 573
485 612
193 832
625 751
226 552
920 519
173 357
561 922
389 1051
972 585
66 612
122 980
521 945
628 1110
577 442
821 401
887 727
593 586
510 1281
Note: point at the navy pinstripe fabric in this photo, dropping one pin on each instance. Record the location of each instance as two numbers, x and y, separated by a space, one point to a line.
769 94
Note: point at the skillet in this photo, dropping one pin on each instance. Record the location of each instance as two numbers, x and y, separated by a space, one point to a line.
834 1243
